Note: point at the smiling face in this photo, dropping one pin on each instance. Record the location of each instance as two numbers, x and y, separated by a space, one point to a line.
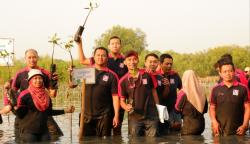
227 73
115 45
100 57
167 64
37 81
151 63
131 62
31 59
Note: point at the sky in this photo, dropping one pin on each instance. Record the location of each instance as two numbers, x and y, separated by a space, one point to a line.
185 26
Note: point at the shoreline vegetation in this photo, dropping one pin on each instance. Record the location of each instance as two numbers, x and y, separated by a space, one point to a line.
201 62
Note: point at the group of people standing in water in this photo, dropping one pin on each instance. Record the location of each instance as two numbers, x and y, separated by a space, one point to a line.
157 100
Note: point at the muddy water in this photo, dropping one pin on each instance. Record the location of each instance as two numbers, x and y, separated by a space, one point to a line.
70 134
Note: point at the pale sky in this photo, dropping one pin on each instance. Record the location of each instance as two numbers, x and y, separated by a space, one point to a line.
181 25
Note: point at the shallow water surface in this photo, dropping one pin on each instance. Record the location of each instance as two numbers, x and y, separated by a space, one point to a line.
70 134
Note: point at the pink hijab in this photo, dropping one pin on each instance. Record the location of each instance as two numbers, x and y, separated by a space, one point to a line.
193 90
40 96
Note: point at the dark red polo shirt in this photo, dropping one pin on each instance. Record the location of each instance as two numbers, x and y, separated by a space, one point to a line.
139 93
20 81
98 96
115 64
175 83
229 102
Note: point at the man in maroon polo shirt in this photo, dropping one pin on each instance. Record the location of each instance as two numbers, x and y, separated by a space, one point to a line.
115 63
139 89
229 104
101 99
151 64
166 63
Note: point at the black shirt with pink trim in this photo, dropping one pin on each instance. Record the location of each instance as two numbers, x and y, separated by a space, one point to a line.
138 91
98 96
31 120
115 64
175 83
229 105
20 81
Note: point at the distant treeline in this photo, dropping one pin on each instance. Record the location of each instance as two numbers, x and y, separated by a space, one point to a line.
202 62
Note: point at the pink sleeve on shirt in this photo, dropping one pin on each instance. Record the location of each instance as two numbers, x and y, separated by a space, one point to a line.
5 99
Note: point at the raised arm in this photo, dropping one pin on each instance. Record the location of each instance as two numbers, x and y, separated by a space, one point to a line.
83 60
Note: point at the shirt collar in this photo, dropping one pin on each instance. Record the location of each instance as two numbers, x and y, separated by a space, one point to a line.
140 72
235 83
119 56
171 72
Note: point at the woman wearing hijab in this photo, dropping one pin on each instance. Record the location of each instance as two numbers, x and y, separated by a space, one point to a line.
33 108
192 104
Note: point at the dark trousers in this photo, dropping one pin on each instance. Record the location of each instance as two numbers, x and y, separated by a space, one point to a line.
144 128
164 128
31 137
117 130
17 130
98 127
54 129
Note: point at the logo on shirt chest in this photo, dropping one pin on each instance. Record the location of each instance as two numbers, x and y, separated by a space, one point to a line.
121 65
159 83
105 78
144 81
235 92
172 81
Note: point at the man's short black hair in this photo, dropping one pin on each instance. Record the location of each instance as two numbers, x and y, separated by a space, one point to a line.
227 56
164 56
101 48
225 61
115 37
151 54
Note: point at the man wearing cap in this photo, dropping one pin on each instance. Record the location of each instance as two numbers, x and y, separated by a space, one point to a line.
139 89
101 107
115 63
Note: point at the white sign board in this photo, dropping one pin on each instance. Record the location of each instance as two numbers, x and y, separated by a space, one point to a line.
79 74
6 51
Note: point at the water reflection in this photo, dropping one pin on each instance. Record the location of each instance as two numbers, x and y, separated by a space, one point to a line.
7 135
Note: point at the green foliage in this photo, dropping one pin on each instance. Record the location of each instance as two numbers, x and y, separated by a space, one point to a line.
131 39
202 62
